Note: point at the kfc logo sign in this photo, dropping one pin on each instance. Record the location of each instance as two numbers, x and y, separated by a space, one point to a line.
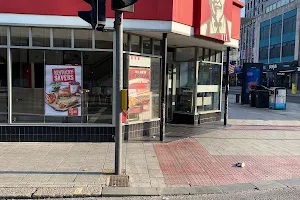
215 19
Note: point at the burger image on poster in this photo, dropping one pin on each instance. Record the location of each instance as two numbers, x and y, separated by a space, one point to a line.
217 26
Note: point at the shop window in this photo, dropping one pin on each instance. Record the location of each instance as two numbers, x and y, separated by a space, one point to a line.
125 42
147 45
206 55
62 37
27 92
157 47
184 90
82 38
209 85
155 86
97 87
3 86
41 37
19 36
104 40
219 56
212 55
135 43
185 54
3 35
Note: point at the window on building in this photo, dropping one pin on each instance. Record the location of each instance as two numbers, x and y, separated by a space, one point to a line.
3 35
19 36
3 86
276 29
208 90
289 25
103 40
275 51
263 53
288 49
62 37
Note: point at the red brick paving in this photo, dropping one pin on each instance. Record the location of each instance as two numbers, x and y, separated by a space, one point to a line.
187 163
263 127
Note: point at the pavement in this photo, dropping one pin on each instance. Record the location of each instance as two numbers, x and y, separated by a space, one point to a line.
193 160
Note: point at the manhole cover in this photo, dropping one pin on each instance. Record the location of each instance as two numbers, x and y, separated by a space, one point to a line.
119 181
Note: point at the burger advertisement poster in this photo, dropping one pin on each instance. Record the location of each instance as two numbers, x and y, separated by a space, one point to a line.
139 84
63 90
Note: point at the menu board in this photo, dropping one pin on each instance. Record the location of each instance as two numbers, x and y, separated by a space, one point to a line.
63 90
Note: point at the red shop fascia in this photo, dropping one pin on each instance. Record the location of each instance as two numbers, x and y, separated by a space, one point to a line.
192 13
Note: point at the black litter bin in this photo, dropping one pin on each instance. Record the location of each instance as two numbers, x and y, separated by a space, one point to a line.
252 98
262 99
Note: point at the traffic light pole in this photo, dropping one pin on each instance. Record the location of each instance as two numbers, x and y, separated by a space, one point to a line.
118 25
226 86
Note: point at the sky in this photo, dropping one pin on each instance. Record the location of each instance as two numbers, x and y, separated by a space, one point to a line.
243 10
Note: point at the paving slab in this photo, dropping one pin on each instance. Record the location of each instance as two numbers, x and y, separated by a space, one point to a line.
9 193
173 191
204 190
132 191
236 187
290 182
268 185
64 192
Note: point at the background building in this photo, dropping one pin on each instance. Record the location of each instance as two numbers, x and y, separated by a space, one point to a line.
277 41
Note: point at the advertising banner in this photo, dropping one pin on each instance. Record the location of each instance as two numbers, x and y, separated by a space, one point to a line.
63 90
253 79
139 90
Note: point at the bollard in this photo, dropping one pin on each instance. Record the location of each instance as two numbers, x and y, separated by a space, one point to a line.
237 98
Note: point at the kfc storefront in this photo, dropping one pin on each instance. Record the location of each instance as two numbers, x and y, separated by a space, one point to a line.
57 75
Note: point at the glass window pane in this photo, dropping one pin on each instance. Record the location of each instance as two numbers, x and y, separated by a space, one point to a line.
41 37
3 35
3 86
206 55
62 37
135 44
185 54
19 36
97 87
184 90
208 98
155 86
219 56
104 40
157 47
125 42
212 56
82 38
147 46
27 86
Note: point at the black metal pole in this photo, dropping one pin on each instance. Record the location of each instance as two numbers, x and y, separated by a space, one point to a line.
164 52
226 86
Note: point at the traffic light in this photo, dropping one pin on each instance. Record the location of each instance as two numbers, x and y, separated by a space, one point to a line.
120 4
96 17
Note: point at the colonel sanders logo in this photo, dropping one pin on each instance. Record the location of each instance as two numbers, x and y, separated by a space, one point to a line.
218 26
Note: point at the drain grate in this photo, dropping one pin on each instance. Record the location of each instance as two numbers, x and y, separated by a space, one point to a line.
119 181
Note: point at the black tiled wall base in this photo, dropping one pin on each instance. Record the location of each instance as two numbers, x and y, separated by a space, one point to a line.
55 134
